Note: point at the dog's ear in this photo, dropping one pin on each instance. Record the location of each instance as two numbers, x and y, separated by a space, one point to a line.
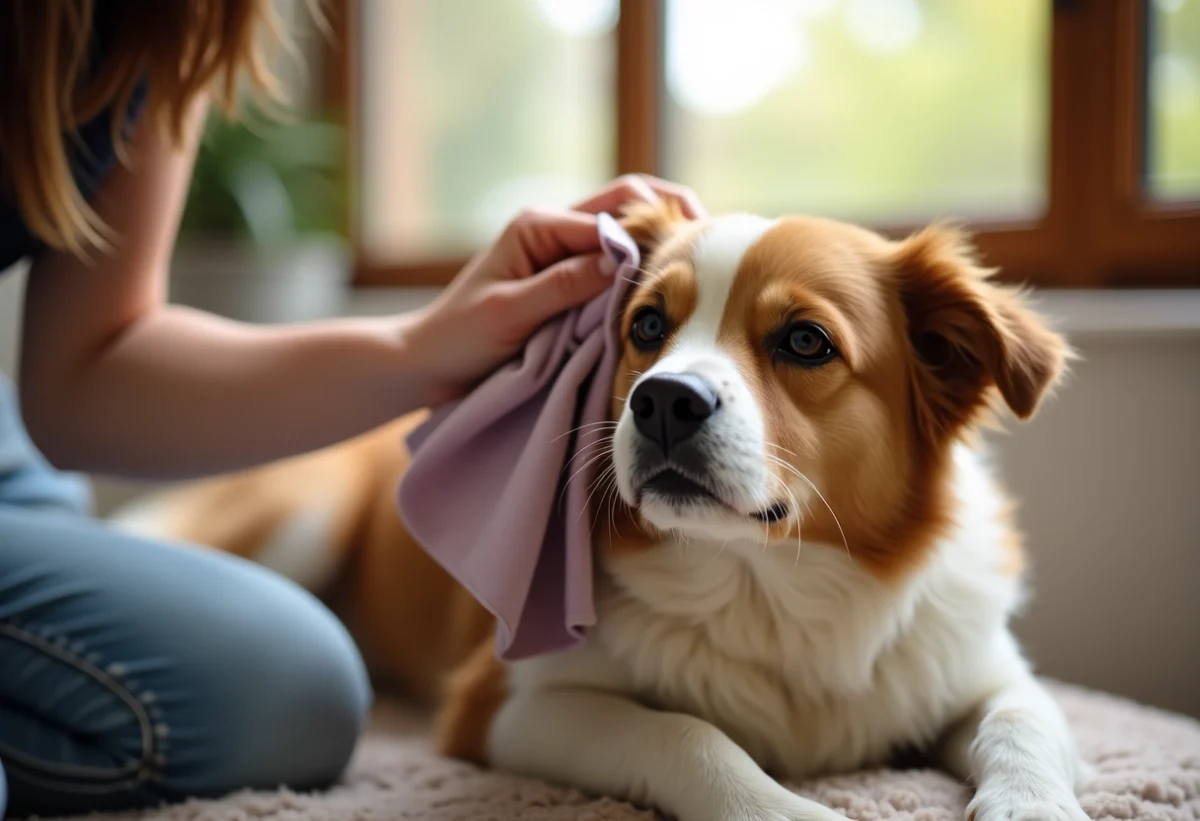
649 223
969 336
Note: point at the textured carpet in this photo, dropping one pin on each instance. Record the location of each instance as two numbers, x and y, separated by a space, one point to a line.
1147 763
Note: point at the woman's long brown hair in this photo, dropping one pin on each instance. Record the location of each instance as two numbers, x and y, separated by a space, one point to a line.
50 86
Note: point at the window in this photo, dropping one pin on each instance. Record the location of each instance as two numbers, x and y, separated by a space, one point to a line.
872 110
1066 134
1174 91
473 109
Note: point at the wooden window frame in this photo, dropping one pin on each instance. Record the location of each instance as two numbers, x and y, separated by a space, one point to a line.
1100 229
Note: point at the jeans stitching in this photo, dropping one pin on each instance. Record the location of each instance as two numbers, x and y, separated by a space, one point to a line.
32 769
76 788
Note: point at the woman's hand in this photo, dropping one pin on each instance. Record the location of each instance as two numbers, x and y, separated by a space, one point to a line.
544 263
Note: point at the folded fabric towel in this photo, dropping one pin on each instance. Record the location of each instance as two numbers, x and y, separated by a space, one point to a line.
498 486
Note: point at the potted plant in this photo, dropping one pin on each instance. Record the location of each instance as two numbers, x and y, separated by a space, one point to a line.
260 239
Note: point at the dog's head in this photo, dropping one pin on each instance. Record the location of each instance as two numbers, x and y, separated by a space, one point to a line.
806 373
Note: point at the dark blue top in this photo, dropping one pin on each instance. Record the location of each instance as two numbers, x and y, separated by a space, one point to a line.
92 156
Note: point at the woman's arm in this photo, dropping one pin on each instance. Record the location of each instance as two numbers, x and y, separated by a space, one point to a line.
115 381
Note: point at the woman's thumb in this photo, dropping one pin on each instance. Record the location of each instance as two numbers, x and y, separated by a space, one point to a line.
563 286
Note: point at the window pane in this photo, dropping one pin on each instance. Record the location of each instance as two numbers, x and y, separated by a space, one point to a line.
1174 97
473 109
875 110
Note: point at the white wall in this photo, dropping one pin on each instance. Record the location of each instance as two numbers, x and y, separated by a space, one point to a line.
1109 479
1109 483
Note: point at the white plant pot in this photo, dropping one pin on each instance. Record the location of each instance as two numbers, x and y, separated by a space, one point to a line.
293 283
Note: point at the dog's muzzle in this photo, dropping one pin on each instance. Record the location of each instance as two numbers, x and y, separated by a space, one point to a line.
669 410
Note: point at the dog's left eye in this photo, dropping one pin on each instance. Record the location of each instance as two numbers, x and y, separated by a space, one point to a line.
807 343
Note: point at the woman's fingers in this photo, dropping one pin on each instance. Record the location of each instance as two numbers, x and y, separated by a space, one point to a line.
559 288
545 236
642 188
541 237
693 208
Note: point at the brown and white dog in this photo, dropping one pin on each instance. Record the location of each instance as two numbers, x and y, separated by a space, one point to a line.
804 562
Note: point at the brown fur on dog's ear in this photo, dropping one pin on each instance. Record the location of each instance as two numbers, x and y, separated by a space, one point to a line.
649 223
969 335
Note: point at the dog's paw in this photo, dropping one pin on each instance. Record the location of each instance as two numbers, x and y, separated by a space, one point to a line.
1085 774
782 806
1014 805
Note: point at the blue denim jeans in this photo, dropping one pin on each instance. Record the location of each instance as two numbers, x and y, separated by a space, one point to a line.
134 673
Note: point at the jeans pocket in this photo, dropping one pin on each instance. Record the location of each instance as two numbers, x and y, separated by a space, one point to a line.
69 724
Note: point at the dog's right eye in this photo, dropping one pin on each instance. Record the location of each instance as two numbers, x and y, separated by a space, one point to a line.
807 344
649 328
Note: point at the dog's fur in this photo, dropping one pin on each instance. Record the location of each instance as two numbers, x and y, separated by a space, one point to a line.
869 615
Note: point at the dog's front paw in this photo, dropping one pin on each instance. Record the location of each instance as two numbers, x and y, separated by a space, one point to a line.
780 806
1006 804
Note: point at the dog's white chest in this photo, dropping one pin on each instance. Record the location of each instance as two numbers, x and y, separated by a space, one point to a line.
804 658
803 663
812 666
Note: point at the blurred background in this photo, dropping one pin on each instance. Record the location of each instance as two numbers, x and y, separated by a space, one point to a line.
1066 134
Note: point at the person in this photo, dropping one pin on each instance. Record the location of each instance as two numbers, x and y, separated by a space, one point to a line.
134 673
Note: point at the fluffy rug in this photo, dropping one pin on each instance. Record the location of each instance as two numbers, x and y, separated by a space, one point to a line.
1147 761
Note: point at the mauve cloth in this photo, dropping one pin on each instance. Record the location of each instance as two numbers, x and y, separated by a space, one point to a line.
484 494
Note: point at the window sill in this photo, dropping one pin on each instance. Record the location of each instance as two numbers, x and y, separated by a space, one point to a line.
1088 312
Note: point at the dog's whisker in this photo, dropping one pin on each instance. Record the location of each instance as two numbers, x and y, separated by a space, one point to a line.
642 283
836 520
615 493
605 480
793 471
767 524
588 449
601 434
800 475
584 427
795 507
766 531
591 461
602 482
566 485
588 501
780 448
645 284
648 284
603 440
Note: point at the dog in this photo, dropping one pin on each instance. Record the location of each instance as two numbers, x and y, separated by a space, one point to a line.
804 561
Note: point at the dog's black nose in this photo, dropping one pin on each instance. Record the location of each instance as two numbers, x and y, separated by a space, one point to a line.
670 407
